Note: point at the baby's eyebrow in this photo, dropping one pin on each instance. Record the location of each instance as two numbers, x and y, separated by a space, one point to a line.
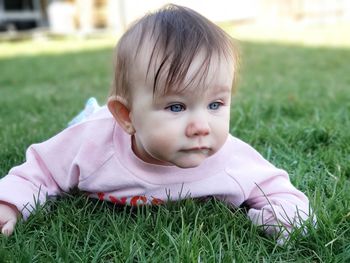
220 89
180 92
213 90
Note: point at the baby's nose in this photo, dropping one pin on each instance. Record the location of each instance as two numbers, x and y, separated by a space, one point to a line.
197 128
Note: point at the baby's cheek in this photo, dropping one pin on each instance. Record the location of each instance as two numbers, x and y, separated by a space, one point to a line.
221 135
161 140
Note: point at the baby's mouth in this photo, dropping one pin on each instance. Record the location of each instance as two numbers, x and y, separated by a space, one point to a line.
203 150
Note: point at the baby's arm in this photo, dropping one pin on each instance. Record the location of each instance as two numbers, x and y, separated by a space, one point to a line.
48 171
272 201
277 205
8 218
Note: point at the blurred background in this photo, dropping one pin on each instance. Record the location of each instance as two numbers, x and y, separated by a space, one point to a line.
258 19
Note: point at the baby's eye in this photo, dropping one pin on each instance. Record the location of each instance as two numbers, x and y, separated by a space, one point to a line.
214 105
176 107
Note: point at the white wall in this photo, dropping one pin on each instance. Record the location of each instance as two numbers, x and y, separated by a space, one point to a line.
215 10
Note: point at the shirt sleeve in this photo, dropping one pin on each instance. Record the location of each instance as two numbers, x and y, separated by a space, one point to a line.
277 205
271 199
49 170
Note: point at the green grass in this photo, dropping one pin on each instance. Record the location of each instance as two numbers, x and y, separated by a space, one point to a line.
292 104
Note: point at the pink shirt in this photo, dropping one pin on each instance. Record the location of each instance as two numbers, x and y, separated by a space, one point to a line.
96 157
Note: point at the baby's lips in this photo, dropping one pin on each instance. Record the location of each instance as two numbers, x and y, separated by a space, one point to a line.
197 150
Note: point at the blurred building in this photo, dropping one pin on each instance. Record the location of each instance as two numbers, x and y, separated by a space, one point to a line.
21 14
87 16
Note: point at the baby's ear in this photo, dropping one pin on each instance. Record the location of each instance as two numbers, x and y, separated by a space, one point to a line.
121 113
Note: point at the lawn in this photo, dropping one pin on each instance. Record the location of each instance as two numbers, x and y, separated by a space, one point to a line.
292 104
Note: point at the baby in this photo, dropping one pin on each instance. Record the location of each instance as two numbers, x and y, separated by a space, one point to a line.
164 134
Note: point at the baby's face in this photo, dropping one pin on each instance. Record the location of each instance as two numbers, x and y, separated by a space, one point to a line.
182 128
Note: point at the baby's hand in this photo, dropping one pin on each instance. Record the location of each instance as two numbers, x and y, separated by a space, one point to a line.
8 218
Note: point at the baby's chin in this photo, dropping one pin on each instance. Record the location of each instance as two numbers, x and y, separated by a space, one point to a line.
187 159
187 166
190 162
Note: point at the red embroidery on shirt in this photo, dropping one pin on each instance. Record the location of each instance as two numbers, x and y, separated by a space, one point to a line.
115 200
101 196
136 200
157 201
133 200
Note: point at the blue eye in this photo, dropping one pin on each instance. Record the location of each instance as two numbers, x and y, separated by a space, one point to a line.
176 108
214 105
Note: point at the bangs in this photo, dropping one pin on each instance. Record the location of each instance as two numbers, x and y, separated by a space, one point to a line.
173 37
178 35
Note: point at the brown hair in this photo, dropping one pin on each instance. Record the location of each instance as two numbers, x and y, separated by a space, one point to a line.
178 34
